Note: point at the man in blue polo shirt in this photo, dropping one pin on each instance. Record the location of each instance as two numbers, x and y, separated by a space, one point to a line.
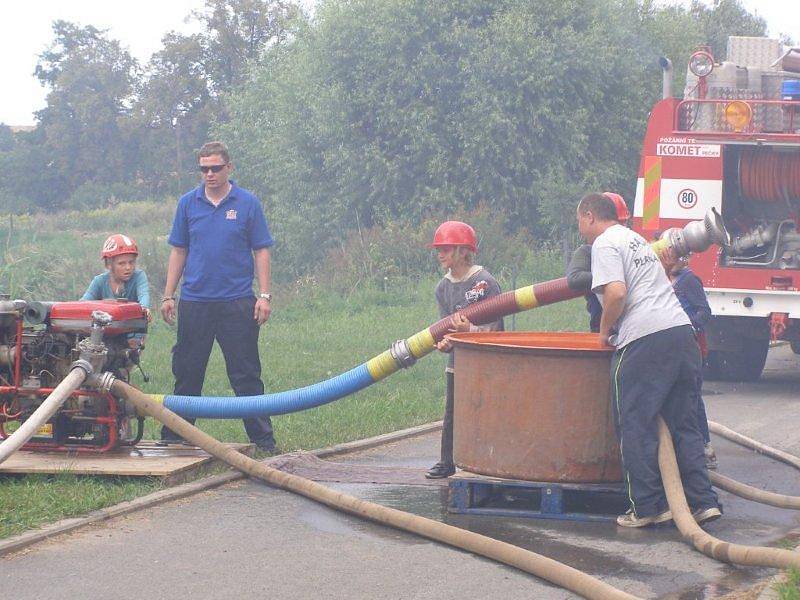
219 235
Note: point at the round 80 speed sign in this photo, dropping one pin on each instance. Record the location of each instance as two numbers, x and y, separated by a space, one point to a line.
687 198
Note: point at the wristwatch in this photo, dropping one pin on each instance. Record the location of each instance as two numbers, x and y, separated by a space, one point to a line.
266 296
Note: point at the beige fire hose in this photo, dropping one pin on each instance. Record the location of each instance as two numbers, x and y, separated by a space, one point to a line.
525 560
691 531
530 562
743 440
745 491
756 495
43 413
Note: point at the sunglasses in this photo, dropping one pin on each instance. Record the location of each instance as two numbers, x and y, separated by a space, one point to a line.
212 168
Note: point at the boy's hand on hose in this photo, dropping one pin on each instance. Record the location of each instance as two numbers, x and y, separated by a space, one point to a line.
459 322
444 346
147 314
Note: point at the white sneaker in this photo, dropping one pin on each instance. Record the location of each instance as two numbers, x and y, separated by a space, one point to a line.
706 515
631 520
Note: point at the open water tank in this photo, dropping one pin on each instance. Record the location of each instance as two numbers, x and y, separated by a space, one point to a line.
535 407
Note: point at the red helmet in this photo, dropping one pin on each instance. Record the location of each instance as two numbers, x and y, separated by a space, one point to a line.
118 244
455 233
619 203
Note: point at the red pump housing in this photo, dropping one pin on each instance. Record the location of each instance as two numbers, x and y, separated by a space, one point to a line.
76 317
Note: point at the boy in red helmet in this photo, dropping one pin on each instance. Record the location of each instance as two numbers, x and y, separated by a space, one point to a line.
463 283
122 280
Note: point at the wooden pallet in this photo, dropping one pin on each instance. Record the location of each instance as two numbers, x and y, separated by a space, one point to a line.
470 493
146 459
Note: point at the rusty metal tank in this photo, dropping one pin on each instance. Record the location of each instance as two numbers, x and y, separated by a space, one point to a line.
534 406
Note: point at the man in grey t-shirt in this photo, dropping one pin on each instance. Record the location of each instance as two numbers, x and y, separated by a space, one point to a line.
650 305
654 368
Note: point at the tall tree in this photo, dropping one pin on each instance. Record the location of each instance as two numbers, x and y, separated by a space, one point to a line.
37 184
237 32
175 108
6 138
405 108
91 81
186 82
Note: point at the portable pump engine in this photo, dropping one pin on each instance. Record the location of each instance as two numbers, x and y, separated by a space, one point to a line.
38 343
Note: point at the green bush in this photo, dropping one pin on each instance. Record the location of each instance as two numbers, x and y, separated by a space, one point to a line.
400 250
54 256
92 194
116 216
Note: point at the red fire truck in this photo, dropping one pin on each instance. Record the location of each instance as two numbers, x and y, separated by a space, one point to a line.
733 143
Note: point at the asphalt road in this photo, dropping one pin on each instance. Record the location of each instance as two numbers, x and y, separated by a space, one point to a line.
250 541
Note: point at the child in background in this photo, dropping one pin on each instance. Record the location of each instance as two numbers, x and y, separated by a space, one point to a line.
689 290
463 284
122 280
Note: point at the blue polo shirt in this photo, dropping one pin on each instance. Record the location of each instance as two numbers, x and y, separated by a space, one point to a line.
220 241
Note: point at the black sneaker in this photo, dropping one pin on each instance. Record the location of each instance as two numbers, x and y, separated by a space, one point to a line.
268 446
440 470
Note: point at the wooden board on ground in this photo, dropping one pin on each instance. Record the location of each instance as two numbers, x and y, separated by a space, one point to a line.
144 460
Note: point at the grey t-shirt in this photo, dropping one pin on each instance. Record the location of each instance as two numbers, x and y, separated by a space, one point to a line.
620 254
453 295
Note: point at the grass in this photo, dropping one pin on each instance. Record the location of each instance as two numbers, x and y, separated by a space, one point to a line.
30 501
790 588
312 335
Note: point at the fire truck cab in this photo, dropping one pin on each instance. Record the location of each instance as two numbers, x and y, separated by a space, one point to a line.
733 143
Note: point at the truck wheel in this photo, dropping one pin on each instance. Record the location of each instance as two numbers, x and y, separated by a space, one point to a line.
795 347
741 365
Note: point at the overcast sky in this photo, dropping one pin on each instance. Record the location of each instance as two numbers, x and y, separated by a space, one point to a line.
140 25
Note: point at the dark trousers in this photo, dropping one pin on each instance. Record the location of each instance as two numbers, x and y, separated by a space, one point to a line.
231 323
702 417
658 374
447 423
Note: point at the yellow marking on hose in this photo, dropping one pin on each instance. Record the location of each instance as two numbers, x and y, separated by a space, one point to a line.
382 365
159 398
421 343
525 298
